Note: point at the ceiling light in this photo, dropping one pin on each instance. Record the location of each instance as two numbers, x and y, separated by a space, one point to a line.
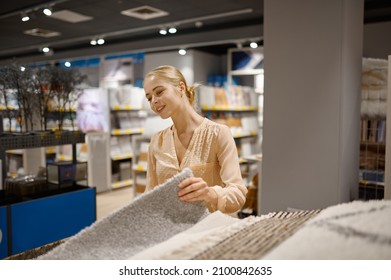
163 31
100 41
47 51
198 24
25 17
253 45
93 42
172 30
47 11
67 64
182 51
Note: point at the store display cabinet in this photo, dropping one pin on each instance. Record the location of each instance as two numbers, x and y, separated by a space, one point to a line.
32 219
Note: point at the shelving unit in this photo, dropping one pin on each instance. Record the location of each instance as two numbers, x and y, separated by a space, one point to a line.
37 140
126 121
244 132
245 67
32 159
373 129
372 159
140 145
31 221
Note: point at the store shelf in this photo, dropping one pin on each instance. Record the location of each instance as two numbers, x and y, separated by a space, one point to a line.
127 119
15 152
244 135
2 107
249 72
229 108
63 110
40 139
126 108
122 157
127 131
122 184
139 168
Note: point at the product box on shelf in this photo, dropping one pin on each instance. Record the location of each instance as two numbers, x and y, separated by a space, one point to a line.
25 185
66 173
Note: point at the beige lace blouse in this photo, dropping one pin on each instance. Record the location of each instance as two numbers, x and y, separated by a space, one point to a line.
211 154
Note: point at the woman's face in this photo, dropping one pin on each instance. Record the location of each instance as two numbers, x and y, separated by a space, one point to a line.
163 97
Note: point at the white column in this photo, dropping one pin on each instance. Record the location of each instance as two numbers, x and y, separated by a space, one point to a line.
99 160
313 52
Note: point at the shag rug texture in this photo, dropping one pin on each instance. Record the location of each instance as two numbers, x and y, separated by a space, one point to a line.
205 234
356 230
150 219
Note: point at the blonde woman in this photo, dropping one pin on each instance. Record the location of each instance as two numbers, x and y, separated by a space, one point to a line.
193 141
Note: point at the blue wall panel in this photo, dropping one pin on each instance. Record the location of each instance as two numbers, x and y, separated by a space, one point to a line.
3 233
45 220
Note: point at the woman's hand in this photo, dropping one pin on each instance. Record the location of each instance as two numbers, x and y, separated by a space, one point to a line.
195 189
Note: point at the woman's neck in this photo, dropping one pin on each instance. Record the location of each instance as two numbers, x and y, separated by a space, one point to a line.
187 121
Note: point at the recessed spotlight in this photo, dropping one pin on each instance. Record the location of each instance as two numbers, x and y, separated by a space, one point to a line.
172 30
45 49
253 45
47 11
182 51
93 42
198 24
100 41
67 64
163 31
25 17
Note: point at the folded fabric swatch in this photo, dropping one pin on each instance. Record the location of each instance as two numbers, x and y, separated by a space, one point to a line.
151 218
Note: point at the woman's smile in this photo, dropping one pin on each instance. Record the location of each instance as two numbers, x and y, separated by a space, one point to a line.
159 109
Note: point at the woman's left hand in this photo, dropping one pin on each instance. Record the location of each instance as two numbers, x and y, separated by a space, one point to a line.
195 189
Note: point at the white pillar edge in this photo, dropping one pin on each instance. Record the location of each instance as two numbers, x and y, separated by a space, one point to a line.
387 171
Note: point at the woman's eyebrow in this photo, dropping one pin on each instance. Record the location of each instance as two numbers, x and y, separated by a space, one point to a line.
148 93
156 87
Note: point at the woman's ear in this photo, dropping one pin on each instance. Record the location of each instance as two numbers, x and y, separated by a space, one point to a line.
182 87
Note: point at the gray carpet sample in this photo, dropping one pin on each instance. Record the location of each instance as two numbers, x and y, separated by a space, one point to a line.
151 218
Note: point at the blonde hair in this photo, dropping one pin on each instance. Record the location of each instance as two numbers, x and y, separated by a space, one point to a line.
173 76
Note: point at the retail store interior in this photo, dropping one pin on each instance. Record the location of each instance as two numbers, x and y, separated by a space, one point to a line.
302 86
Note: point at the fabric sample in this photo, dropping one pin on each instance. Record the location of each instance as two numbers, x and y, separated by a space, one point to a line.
356 230
185 244
150 219
220 236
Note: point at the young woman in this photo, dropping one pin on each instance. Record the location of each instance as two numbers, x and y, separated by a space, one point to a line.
193 141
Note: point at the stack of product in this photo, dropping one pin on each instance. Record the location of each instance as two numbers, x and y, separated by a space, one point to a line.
374 88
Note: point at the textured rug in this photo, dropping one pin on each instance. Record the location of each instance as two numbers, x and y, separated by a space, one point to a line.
220 236
150 219
255 236
356 230
187 243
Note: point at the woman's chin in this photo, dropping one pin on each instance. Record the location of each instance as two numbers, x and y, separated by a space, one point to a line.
164 117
